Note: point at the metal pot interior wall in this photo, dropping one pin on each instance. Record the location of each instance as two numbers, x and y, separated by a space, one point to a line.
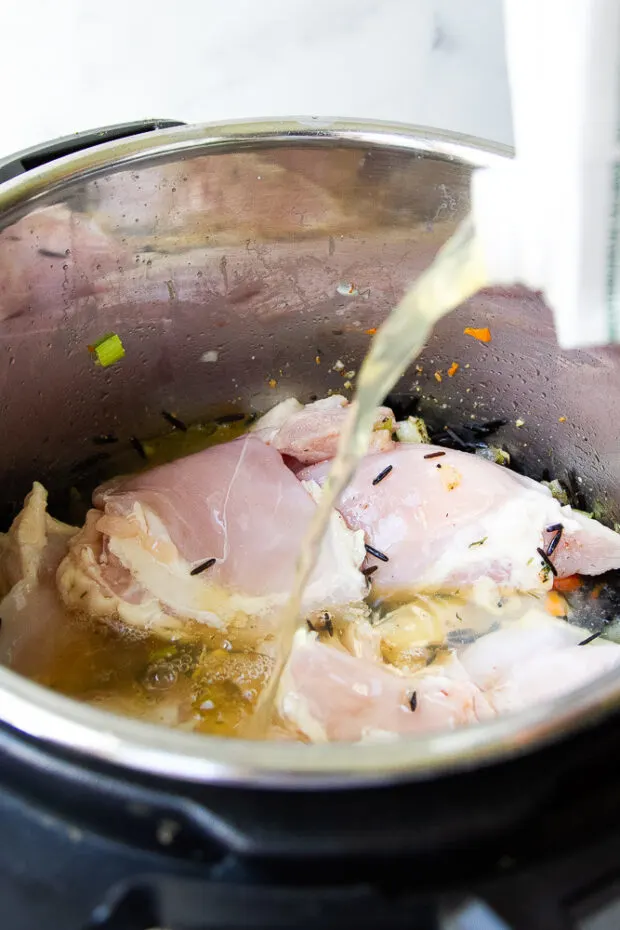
238 278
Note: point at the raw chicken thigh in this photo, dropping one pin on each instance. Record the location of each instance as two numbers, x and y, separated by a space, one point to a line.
535 660
30 608
208 537
440 633
310 434
326 694
444 519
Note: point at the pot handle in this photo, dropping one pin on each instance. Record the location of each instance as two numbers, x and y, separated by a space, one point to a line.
14 165
180 903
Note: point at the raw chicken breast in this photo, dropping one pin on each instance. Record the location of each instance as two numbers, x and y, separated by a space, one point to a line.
235 503
452 520
310 434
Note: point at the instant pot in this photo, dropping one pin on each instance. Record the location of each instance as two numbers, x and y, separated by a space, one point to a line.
239 264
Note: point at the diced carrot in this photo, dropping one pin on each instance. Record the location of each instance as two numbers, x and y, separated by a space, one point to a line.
482 334
596 591
565 585
555 604
371 332
452 370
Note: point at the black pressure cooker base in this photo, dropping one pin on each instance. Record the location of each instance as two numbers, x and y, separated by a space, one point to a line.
537 839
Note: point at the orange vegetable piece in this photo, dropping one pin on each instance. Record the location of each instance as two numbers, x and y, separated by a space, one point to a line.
566 585
555 604
371 332
482 334
452 370
438 376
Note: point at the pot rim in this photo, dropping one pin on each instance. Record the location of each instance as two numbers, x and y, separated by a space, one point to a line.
64 723
30 186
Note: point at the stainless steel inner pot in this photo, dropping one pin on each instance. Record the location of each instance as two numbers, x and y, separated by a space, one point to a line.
238 263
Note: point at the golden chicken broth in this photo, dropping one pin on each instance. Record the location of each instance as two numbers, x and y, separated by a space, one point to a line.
208 680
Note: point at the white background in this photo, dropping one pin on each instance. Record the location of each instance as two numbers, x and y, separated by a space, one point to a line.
69 65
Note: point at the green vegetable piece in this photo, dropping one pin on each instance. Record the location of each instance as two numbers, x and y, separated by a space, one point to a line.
557 491
108 350
479 542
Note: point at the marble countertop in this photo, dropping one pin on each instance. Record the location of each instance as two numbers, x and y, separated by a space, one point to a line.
75 65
